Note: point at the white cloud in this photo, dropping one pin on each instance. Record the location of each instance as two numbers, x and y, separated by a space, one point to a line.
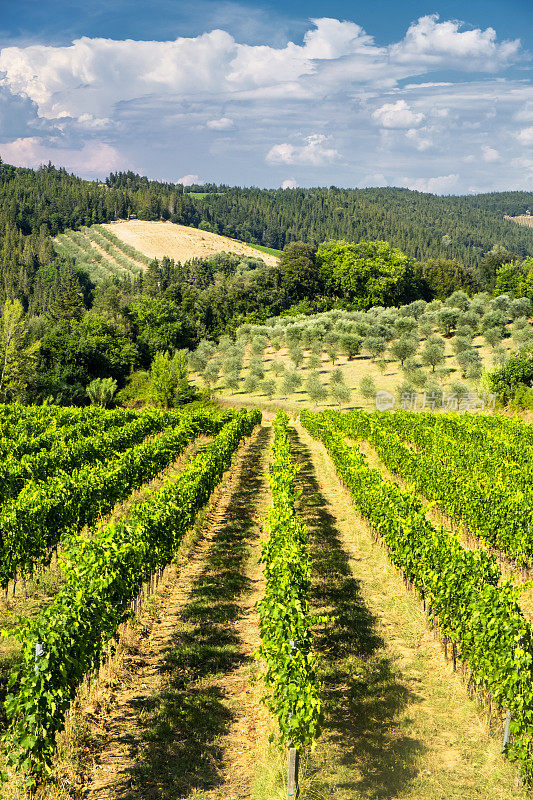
418 138
290 183
313 152
397 115
489 154
222 124
438 185
190 180
91 77
93 158
435 43
525 136
58 102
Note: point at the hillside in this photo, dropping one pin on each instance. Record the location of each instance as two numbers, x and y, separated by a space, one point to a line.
422 225
180 242
126 248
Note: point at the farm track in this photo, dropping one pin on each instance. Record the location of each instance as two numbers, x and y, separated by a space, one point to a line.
185 717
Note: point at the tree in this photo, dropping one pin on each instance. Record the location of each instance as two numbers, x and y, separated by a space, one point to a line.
351 345
340 392
433 352
374 346
368 273
296 354
470 363
299 274
211 372
447 319
315 388
169 379
232 381
516 372
17 354
291 382
101 391
403 348
367 387
250 383
269 387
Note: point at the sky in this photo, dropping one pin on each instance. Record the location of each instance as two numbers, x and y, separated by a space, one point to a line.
434 97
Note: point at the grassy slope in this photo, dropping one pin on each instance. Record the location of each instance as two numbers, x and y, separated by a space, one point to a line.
353 371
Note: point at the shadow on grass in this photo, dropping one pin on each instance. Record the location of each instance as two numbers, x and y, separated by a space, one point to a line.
182 750
362 694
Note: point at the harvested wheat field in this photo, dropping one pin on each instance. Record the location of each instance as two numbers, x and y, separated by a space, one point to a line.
159 239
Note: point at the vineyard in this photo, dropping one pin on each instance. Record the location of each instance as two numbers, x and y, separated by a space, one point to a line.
246 608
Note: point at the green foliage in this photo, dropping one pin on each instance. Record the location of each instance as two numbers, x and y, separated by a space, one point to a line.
461 587
368 273
516 372
403 348
433 352
367 387
101 391
284 620
103 575
314 387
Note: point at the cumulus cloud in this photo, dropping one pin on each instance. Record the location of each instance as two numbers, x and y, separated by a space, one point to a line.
443 184
190 180
289 183
93 76
397 115
222 124
314 152
60 101
434 43
489 154
93 158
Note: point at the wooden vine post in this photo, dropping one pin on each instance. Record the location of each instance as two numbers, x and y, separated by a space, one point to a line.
294 756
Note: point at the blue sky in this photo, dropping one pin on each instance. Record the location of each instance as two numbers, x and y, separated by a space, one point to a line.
433 97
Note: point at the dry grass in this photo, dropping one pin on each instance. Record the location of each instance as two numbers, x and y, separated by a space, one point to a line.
159 239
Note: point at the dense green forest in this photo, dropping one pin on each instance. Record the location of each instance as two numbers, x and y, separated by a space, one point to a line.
60 329
422 225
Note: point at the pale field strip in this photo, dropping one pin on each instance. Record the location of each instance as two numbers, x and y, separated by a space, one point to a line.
160 239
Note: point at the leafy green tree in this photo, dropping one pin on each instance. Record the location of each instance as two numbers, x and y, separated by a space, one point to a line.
340 392
433 352
101 391
368 273
351 345
367 387
268 387
169 379
516 372
250 383
17 354
447 319
374 346
211 372
403 348
291 382
315 388
296 354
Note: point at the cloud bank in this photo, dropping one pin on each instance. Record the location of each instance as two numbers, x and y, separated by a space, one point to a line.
337 107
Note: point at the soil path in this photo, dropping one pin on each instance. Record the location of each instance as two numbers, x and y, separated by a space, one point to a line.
398 721
186 720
